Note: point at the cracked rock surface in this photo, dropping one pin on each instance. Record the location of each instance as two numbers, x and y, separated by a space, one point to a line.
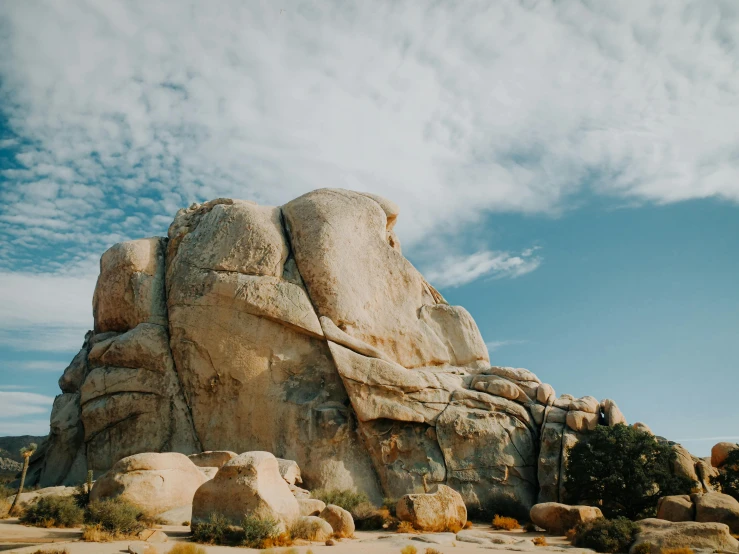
303 331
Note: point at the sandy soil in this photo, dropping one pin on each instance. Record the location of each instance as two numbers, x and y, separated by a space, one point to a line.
17 538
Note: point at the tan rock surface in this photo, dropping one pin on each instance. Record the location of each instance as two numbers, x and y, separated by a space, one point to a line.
720 452
212 458
676 508
250 484
689 534
310 506
311 528
559 518
341 520
442 510
717 507
157 482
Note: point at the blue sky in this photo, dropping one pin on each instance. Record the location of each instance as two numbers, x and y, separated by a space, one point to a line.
567 171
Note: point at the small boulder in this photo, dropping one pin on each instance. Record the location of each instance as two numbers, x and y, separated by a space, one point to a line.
290 471
141 548
443 510
719 508
311 528
156 482
212 458
153 535
642 427
720 452
582 421
310 506
249 484
676 508
663 534
341 521
558 518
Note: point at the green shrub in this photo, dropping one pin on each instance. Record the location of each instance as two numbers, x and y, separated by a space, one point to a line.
53 511
645 548
217 530
257 531
624 471
115 516
346 499
728 478
606 535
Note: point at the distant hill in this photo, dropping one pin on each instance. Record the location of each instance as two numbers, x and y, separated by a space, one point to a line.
10 446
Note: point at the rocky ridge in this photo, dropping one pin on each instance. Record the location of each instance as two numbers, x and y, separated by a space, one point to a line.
303 331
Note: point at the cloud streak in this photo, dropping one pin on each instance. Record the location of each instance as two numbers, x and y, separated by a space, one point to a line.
121 113
455 271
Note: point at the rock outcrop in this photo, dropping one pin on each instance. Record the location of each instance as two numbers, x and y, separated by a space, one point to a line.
661 535
443 510
249 484
303 331
559 518
709 507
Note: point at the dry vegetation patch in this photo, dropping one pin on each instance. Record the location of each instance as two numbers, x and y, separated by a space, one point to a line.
505 523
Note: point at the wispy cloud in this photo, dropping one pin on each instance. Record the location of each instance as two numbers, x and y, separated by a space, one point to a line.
498 344
36 365
16 403
128 111
455 271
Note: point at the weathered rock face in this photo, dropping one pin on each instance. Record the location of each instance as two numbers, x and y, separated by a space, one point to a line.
559 518
249 484
443 510
303 331
155 482
663 534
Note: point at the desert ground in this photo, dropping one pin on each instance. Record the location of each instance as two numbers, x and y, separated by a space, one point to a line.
21 539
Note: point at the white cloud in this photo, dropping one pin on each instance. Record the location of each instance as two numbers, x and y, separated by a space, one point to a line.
455 271
498 344
46 312
16 404
451 109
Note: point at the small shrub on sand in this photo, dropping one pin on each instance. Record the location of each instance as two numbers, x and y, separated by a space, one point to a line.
540 541
505 523
406 527
644 548
217 530
53 511
305 529
606 535
683 550
570 534
262 533
115 516
409 549
468 524
432 551
95 533
56 551
186 548
346 499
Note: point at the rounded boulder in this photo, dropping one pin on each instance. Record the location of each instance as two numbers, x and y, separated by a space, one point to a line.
558 518
443 510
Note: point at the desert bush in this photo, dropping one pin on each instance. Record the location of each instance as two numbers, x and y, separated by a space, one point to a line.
305 529
406 527
409 549
53 511
217 530
261 532
346 499
5 492
468 524
624 471
644 548
432 551
95 533
540 541
683 550
728 478
186 548
115 516
506 523
390 504
606 535
55 551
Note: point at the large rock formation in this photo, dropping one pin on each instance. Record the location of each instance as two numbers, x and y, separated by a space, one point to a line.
303 331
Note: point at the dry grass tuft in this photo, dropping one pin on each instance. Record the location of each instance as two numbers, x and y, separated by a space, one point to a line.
468 524
409 549
432 551
95 533
505 523
540 541
683 550
570 534
186 548
405 527
56 551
